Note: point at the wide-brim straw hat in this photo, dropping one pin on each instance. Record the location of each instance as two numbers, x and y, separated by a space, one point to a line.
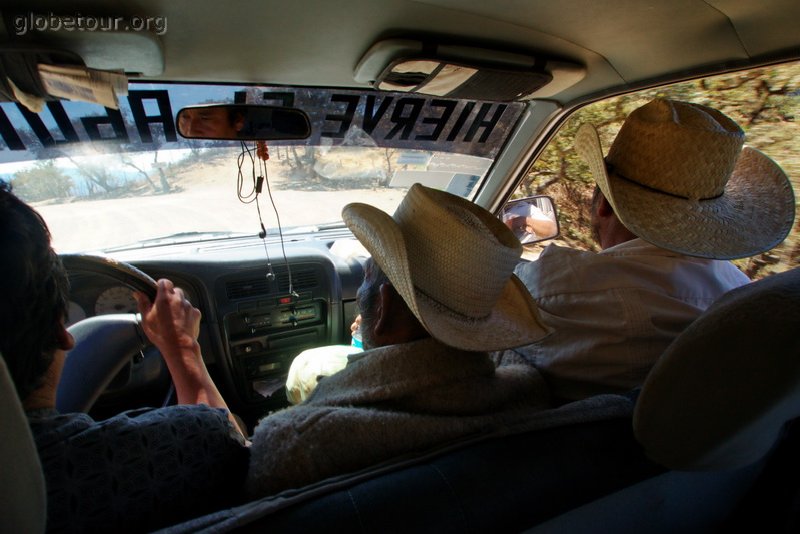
678 177
452 262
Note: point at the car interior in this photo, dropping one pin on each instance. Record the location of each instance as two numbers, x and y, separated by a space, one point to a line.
355 101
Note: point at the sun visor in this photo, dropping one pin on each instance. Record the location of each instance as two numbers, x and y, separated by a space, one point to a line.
134 53
19 74
31 75
50 60
453 71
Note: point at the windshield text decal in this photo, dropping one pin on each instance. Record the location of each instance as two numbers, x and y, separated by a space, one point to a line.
146 121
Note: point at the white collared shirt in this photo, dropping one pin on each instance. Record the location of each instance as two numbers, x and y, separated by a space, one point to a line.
614 312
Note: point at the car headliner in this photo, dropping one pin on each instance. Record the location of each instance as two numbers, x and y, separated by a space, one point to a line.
623 44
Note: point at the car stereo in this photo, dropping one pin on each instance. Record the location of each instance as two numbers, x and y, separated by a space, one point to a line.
263 337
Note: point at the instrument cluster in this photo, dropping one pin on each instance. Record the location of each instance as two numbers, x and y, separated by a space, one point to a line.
92 295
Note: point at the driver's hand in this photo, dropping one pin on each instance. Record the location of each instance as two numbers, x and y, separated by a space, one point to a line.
171 322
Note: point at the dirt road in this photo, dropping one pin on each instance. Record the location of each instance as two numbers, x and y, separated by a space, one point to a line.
207 202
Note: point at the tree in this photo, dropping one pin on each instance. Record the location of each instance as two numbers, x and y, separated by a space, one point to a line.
389 155
95 173
130 163
44 181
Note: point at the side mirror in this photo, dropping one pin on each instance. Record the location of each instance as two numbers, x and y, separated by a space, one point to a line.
532 219
245 122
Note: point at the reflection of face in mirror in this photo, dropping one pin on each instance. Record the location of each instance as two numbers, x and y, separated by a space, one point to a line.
532 219
243 122
210 123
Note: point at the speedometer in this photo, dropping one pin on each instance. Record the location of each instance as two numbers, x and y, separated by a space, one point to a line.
117 299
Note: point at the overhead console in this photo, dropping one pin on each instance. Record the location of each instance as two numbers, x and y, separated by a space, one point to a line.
266 325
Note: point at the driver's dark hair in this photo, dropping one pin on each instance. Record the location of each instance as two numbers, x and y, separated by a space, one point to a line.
33 293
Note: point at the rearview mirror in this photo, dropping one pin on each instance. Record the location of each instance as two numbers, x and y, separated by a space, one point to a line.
243 122
532 219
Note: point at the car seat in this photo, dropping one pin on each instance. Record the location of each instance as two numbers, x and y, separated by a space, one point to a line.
23 501
719 409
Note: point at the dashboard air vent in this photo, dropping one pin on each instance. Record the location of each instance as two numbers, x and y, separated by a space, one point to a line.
241 289
302 279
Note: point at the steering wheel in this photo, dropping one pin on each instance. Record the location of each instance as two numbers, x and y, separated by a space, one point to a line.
103 344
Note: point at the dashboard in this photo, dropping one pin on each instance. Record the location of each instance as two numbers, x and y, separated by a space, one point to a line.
261 306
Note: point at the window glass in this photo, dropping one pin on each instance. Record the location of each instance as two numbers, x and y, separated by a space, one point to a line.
766 104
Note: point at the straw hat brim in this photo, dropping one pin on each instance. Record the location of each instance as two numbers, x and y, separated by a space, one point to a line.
755 213
513 321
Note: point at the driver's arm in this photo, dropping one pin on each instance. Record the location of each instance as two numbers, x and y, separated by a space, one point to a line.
172 324
539 224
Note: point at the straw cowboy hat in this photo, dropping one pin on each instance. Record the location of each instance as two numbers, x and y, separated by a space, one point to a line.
678 177
452 262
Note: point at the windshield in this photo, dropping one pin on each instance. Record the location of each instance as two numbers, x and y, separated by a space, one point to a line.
105 178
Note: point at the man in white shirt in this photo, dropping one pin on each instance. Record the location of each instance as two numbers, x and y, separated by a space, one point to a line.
676 195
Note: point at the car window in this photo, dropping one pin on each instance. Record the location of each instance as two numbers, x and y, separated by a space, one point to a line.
765 102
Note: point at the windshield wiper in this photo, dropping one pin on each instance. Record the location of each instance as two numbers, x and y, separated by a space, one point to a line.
331 226
194 237
180 237
309 229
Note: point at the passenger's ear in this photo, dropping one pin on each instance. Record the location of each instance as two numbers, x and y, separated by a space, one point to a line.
604 208
395 321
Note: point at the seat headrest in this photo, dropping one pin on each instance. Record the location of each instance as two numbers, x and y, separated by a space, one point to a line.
722 391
